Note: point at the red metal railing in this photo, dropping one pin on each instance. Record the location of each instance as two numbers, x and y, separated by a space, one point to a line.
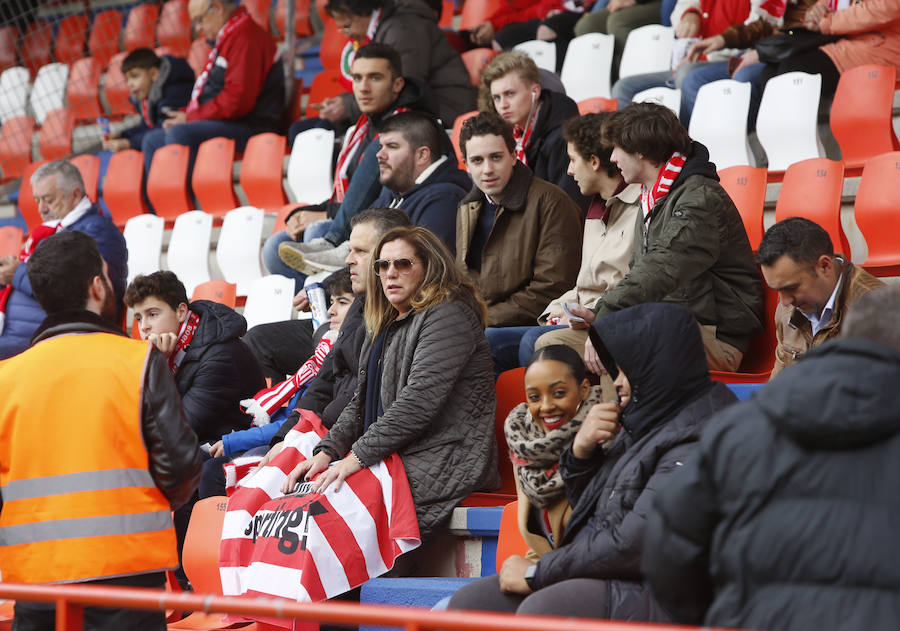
71 599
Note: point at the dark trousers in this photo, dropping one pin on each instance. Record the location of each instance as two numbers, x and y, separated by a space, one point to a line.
281 347
32 616
811 61
563 24
576 598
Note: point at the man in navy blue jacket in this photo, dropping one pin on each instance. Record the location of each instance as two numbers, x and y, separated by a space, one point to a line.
59 191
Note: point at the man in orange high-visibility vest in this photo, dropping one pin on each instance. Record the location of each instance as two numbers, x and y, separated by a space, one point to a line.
95 451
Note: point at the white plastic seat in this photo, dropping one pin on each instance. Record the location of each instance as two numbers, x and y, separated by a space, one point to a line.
586 68
237 252
188 253
49 90
719 121
144 237
647 49
270 299
670 97
309 178
14 85
787 121
543 53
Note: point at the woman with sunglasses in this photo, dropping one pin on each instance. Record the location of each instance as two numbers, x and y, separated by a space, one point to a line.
426 382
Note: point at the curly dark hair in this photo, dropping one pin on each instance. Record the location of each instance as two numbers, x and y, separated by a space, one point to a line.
590 136
163 285
486 124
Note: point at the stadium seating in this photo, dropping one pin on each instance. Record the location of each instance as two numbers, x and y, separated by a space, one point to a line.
861 114
198 55
812 189
28 207
759 358
140 26
167 181
597 104
211 179
746 186
586 68
115 91
9 54
15 145
447 9
216 290
55 137
457 130
270 299
474 12
103 41
790 139
11 238
174 28
309 178
89 167
261 171
36 46
876 211
719 121
237 251
333 42
510 541
71 36
122 186
670 97
647 49
143 236
188 253
475 61
14 86
48 90
302 25
324 85
82 94
543 53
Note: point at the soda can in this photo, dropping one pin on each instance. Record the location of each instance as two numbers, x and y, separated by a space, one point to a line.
315 292
103 122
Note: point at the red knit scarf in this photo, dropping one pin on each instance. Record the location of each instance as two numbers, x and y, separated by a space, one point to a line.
188 328
523 135
237 18
353 143
667 174
40 233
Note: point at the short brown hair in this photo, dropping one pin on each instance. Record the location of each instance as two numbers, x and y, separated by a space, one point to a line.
163 285
589 135
651 130
486 124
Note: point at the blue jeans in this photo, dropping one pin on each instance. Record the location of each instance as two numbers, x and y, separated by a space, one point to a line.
504 342
706 73
526 345
363 189
625 89
274 263
317 230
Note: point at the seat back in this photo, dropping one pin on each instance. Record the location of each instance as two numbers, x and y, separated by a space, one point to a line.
647 49
115 91
14 86
103 41
15 146
9 44
122 186
174 28
212 179
262 171
237 252
270 299
789 138
457 130
143 236
510 393
11 238
82 93
876 211
89 166
597 104
670 97
720 121
586 68
812 189
28 207
167 181
48 90
200 556
188 253
309 178
543 53
509 540
36 46
759 358
216 290
55 137
71 36
475 61
475 12
746 186
140 27
302 25
325 84
861 113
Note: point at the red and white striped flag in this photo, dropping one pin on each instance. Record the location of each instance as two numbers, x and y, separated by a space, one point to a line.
309 546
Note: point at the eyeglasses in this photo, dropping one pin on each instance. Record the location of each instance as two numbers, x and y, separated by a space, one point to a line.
403 266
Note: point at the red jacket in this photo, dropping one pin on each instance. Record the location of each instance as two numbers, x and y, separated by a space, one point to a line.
511 11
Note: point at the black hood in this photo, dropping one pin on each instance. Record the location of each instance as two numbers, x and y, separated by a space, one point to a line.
697 163
218 323
842 394
658 347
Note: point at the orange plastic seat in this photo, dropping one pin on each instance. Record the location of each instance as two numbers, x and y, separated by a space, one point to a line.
198 55
11 239
597 104
174 28
510 393
36 46
876 210
457 129
475 61
55 137
103 41
167 181
324 85
15 145
217 290
746 186
9 41
71 37
115 90
475 12
261 171
89 167
122 186
759 358
82 96
302 25
28 207
447 9
281 216
812 189
212 176
140 27
509 540
333 42
861 114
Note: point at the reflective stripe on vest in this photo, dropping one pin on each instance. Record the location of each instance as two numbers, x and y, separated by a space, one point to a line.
79 502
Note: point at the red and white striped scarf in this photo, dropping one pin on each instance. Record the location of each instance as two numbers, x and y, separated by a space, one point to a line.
185 335
523 135
236 19
652 196
310 546
351 148
37 235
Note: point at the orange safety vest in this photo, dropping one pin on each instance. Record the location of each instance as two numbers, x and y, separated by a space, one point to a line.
79 502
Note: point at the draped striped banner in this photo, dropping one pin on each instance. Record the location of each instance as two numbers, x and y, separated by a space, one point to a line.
309 546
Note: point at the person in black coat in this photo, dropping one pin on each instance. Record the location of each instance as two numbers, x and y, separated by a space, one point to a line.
616 464
786 518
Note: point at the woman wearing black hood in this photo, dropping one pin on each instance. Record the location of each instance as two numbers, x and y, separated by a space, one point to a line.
617 461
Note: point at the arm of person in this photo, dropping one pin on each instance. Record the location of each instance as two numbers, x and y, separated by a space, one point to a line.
20 280
779 338
860 18
349 425
134 135
245 439
610 553
682 8
248 66
175 462
556 264
438 214
213 393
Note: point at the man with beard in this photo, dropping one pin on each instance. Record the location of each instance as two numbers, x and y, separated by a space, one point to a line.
95 451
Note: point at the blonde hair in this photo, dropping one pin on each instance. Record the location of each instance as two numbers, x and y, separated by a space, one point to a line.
443 280
500 66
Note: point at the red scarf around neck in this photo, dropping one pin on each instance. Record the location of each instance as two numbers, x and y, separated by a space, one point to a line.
523 136
188 328
651 197
237 18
